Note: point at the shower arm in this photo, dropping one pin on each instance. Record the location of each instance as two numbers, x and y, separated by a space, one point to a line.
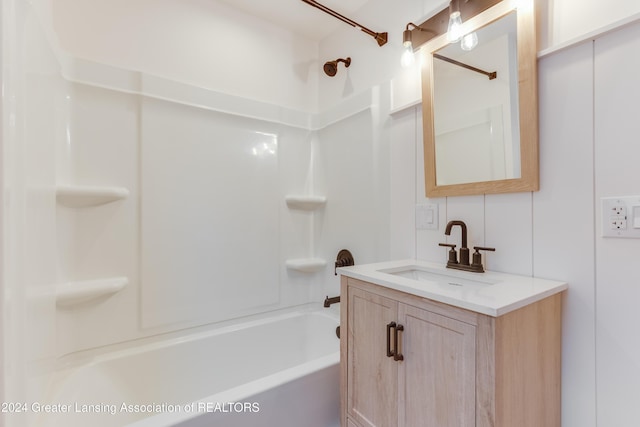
381 38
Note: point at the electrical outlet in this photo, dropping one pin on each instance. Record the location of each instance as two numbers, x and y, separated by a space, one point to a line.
618 224
619 211
621 216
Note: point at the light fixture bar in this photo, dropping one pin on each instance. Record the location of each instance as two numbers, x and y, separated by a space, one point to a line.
491 74
381 38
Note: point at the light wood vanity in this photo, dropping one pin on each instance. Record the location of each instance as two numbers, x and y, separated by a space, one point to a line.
409 360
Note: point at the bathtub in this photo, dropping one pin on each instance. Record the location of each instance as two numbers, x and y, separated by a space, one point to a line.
280 370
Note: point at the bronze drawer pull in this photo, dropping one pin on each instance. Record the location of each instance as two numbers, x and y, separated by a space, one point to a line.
396 351
390 352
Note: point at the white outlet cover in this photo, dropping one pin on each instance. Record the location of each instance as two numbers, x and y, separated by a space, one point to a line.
621 217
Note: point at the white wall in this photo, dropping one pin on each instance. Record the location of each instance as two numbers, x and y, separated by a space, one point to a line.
616 173
203 43
563 21
565 248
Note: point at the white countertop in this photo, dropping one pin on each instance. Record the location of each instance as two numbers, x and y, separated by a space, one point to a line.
490 293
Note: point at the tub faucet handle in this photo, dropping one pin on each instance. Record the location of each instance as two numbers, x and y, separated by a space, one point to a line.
344 259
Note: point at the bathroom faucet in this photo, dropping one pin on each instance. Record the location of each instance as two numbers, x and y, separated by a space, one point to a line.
463 264
464 250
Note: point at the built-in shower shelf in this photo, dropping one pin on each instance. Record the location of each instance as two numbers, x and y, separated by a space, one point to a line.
306 265
307 203
86 196
76 293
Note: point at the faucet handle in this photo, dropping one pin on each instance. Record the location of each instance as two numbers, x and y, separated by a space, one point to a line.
453 256
477 257
481 248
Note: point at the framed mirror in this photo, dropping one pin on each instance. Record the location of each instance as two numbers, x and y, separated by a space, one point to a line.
480 107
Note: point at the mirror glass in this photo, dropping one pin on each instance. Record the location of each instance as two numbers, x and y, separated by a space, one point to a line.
476 123
478 137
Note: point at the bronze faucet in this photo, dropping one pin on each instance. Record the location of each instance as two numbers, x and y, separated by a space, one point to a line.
463 264
333 300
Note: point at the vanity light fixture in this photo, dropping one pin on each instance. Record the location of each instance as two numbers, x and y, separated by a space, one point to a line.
454 30
408 58
454 33
469 41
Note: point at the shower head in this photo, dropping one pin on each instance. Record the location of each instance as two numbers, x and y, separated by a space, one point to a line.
331 67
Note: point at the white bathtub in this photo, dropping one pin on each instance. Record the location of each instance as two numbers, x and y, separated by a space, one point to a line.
280 370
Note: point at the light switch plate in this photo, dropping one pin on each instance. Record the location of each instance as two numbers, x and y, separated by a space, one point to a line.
427 217
621 216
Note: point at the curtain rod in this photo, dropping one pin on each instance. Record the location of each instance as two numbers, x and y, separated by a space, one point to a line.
381 38
491 74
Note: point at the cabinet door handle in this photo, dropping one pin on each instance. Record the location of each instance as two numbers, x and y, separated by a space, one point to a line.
390 325
397 355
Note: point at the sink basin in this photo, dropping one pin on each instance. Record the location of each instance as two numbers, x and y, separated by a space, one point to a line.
438 277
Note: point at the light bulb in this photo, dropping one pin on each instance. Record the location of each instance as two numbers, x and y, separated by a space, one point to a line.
454 34
469 41
408 58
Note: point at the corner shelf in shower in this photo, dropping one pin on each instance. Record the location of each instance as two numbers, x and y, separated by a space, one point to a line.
306 203
306 265
76 196
76 293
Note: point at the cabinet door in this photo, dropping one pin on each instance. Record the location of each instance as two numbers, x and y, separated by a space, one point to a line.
437 376
372 377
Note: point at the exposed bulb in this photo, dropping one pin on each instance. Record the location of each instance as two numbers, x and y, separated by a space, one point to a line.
454 34
408 58
469 41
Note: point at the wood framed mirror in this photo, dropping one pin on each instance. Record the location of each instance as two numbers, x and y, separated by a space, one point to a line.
481 132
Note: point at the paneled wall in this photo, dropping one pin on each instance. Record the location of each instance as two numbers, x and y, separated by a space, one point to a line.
564 21
588 146
564 246
617 147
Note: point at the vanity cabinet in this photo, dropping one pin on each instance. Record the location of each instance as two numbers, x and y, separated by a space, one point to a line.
409 361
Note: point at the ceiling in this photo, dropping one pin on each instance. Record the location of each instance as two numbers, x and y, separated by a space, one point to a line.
300 17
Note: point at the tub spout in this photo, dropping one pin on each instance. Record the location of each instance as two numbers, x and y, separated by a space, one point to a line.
333 300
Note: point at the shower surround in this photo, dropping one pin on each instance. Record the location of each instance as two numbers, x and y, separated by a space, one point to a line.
139 206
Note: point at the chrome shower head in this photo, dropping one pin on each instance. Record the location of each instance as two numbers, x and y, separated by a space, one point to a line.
331 67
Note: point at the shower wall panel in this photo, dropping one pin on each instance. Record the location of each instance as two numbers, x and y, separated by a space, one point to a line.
98 148
209 214
204 233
